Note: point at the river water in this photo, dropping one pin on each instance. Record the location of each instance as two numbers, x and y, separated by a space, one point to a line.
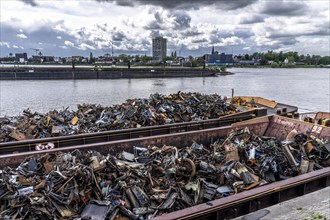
309 89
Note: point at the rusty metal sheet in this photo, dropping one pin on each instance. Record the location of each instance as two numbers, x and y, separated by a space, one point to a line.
277 127
321 131
202 210
257 126
280 127
259 100
322 115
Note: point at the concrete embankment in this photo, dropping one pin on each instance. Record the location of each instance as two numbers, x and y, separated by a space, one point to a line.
110 73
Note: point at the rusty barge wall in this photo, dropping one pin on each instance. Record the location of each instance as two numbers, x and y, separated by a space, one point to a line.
84 73
271 126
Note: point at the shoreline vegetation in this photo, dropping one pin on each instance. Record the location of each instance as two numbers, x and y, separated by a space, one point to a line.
106 66
269 59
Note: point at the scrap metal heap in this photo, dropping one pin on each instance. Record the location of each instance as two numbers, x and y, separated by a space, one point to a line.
134 113
152 180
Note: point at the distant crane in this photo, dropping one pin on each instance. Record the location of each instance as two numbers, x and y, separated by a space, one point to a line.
37 50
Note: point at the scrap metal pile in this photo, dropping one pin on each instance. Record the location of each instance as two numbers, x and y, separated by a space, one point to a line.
152 180
134 113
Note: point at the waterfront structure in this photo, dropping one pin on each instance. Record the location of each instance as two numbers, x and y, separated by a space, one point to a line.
21 57
159 47
218 59
42 59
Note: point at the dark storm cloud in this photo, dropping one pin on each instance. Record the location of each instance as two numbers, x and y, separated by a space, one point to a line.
320 32
153 25
184 4
102 27
176 20
281 8
243 33
251 19
155 33
30 2
182 20
191 33
157 23
199 40
82 32
119 2
118 36
286 41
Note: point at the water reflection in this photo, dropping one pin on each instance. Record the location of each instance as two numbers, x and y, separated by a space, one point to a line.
159 82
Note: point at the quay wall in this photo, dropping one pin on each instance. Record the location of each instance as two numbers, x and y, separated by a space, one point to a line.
81 73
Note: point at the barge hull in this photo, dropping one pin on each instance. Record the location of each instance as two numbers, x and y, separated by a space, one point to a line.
227 207
51 73
91 138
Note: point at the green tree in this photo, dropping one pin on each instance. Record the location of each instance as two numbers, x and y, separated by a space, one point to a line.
174 54
263 61
291 59
123 57
169 58
308 59
315 59
145 58
281 58
325 60
274 65
194 63
91 59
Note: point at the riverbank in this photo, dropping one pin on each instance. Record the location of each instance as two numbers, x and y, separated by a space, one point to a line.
281 66
56 73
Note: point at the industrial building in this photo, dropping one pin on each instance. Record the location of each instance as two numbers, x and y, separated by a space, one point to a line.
21 57
218 59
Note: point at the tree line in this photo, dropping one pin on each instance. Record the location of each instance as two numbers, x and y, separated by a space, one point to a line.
293 57
263 58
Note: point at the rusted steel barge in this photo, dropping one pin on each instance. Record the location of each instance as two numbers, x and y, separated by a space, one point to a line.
260 108
56 73
235 205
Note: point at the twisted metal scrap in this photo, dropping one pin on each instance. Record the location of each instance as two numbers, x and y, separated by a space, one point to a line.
153 180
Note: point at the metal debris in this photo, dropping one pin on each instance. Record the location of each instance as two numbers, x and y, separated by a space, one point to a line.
152 180
134 113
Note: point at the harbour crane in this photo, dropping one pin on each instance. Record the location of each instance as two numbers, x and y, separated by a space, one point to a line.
36 49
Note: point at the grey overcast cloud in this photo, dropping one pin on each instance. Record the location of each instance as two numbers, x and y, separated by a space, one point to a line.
78 27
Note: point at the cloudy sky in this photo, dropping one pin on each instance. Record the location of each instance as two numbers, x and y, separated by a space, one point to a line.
192 27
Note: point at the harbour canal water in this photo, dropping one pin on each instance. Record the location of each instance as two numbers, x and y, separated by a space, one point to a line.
307 88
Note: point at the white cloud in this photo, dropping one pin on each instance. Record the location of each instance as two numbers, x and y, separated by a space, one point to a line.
60 27
231 41
59 37
6 44
22 36
69 43
15 46
84 46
